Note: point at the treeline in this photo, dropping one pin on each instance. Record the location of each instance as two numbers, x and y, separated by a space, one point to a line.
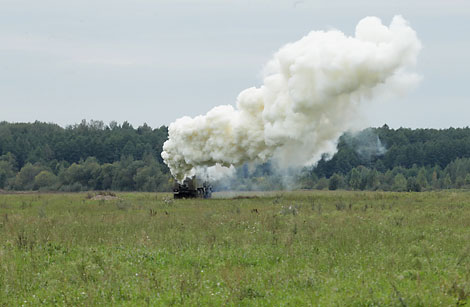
375 159
86 156
396 160
49 143
455 175
383 149
95 156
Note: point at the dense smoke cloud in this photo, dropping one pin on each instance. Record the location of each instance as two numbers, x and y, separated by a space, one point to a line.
311 94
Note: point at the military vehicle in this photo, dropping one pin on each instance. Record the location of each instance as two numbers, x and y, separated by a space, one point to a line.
192 188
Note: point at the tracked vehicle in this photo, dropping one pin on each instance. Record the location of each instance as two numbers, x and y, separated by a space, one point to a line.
192 188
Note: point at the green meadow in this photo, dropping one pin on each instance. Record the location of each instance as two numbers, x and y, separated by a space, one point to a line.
327 248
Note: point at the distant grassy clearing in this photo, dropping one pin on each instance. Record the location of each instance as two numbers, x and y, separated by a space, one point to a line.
327 248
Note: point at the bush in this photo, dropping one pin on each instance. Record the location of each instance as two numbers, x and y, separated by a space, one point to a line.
75 187
45 180
322 184
335 182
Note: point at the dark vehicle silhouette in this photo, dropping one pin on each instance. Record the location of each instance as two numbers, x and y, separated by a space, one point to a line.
192 188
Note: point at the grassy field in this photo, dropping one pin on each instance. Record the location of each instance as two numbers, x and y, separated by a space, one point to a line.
295 248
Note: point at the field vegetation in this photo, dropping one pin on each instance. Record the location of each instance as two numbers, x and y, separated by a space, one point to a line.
293 248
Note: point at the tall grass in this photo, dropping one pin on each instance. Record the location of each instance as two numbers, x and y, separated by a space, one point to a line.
298 248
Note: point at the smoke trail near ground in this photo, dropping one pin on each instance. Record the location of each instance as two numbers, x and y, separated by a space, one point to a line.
311 94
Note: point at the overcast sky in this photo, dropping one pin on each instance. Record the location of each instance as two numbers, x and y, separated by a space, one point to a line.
152 61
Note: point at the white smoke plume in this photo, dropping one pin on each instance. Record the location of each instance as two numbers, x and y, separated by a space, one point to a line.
311 94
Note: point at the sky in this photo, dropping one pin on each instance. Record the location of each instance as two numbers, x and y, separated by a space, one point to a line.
153 61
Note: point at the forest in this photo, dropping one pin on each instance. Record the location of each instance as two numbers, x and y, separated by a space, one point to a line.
97 156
